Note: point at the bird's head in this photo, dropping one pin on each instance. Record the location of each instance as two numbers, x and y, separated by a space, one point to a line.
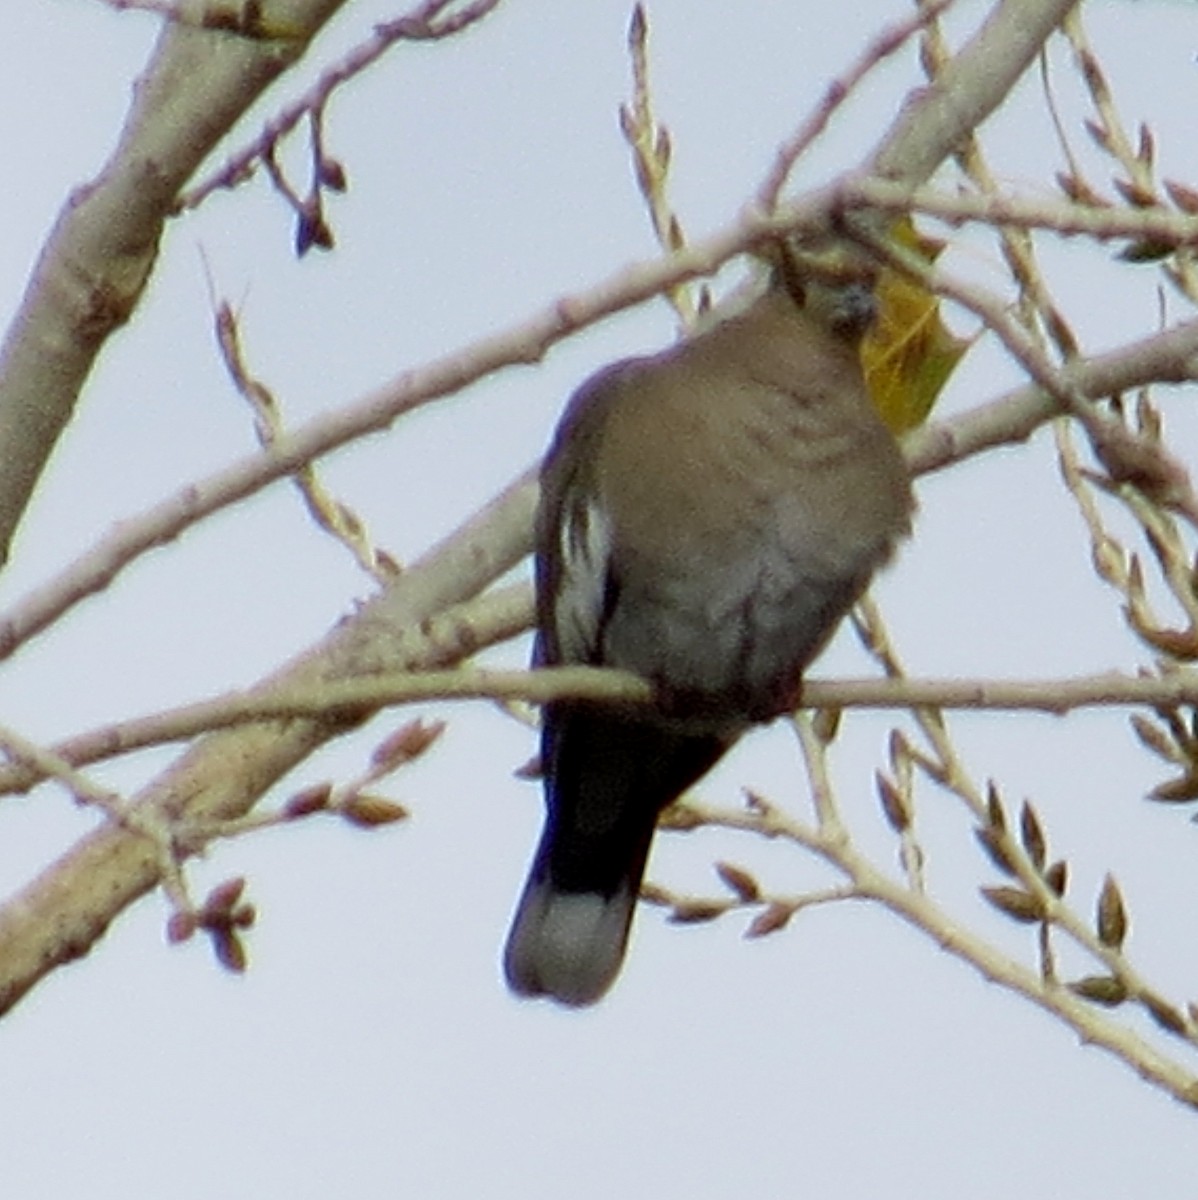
828 278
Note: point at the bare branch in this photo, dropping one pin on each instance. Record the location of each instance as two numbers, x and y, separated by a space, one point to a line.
865 881
888 42
1166 227
426 23
508 612
99 257
411 626
934 122
334 516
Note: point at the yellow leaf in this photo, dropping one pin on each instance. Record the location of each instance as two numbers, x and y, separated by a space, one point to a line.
908 355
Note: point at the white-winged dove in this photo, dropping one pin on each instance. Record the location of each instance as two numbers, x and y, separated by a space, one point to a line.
708 515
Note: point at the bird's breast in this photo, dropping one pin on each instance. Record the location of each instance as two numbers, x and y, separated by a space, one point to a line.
734 559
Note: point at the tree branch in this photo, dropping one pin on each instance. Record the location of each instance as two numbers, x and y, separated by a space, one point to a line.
95 265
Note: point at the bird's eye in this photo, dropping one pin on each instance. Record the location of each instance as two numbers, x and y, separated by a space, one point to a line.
854 310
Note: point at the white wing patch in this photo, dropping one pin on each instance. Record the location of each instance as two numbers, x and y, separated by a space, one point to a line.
584 544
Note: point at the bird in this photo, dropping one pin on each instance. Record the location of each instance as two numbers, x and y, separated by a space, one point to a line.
707 516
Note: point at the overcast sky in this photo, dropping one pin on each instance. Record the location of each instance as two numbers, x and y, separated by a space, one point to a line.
371 1051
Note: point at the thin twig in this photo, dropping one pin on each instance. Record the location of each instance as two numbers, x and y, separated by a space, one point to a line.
881 47
425 23
1168 227
49 764
334 516
924 914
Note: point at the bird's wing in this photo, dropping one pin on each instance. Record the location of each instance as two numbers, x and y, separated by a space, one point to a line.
576 581
586 590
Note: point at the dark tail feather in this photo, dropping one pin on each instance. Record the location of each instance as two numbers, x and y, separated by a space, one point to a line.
607 778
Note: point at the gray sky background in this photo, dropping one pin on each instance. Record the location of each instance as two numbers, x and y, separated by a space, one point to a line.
371 1050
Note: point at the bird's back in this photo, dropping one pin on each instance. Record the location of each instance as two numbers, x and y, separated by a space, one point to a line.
750 490
708 515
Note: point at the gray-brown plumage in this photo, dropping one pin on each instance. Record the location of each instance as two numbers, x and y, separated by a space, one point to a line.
708 515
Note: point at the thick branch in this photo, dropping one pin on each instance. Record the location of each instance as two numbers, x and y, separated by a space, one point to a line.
95 265
67 908
1169 357
936 120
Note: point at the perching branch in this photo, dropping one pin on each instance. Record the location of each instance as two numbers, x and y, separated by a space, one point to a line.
501 612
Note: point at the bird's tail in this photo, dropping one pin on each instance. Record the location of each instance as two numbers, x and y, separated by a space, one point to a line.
607 779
